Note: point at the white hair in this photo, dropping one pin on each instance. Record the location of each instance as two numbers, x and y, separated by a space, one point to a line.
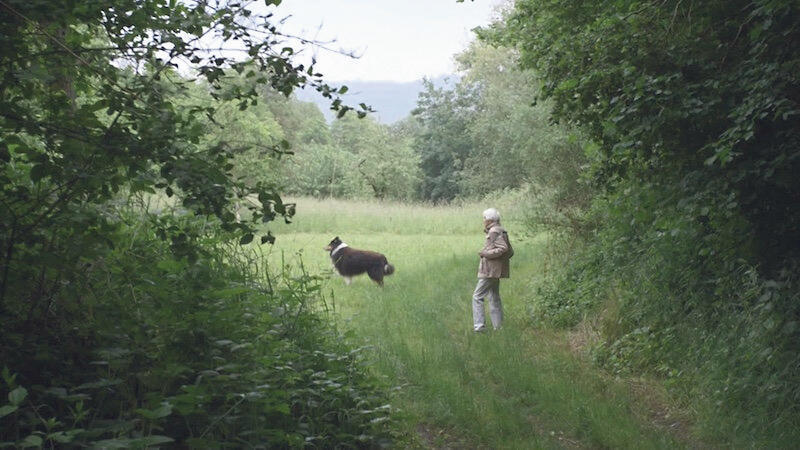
491 214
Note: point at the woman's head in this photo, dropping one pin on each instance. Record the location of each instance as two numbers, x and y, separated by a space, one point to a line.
491 215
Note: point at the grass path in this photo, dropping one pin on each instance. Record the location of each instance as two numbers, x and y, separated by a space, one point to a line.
517 388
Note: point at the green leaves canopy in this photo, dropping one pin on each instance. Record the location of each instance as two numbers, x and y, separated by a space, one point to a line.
88 103
680 91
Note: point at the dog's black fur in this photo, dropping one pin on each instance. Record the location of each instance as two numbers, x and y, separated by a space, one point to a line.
350 262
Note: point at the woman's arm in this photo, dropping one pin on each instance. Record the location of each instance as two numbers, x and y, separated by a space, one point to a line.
497 246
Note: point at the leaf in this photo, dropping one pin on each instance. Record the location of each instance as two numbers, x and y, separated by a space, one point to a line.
231 292
31 441
7 409
63 437
152 440
37 172
113 443
162 411
17 395
98 384
246 239
5 156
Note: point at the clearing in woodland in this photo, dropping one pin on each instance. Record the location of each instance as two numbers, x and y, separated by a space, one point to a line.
520 387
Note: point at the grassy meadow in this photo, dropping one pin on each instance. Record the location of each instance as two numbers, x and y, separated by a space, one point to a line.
520 387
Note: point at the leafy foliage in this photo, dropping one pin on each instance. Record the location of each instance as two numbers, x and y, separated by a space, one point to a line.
705 91
250 361
386 162
485 135
131 315
358 158
442 143
516 146
690 266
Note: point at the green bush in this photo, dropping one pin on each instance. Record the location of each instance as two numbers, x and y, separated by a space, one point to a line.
570 292
668 285
122 329
217 352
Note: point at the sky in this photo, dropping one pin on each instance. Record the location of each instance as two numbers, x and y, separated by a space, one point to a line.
397 40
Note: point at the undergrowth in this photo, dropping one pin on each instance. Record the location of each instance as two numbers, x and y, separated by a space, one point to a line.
673 293
143 347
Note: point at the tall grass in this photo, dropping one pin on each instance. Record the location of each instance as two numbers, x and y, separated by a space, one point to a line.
369 216
520 387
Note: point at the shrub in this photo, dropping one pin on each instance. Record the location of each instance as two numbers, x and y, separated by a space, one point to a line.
216 352
675 297
569 293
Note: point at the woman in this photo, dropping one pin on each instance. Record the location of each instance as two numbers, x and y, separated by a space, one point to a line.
494 265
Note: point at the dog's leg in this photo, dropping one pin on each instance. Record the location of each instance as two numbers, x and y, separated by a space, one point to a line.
348 280
377 275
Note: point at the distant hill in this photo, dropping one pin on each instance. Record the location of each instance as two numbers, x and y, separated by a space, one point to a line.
391 100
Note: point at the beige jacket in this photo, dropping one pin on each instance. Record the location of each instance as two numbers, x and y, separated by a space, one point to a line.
495 253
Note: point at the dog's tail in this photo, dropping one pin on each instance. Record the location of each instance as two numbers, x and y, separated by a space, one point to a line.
388 269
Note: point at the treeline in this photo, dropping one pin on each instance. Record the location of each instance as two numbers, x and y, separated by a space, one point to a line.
287 144
480 134
685 262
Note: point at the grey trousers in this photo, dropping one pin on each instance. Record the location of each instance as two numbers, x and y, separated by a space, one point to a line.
487 287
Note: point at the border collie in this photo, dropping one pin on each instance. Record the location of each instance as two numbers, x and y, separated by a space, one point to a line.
350 262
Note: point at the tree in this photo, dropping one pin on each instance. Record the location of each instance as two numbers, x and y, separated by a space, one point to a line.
121 280
443 145
303 122
253 136
692 109
325 170
701 94
515 142
385 162
88 108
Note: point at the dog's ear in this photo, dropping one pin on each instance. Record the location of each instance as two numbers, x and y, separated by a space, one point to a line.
333 242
